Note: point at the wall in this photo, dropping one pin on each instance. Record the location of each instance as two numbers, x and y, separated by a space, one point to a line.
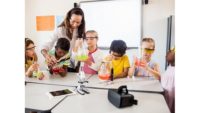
154 23
35 8
155 16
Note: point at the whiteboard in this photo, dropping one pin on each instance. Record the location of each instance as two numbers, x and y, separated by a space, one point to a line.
114 19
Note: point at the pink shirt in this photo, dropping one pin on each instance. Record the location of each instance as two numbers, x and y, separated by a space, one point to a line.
86 67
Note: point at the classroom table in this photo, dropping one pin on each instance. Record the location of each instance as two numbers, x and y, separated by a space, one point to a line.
141 84
37 100
146 84
70 80
97 102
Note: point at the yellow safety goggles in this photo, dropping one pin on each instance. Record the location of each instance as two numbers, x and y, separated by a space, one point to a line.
147 50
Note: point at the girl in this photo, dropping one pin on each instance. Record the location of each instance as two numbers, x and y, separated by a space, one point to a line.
145 66
30 58
95 56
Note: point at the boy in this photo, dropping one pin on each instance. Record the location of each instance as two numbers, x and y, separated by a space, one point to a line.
120 61
168 81
147 67
62 57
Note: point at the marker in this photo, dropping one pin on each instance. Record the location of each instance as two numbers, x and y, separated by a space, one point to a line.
111 75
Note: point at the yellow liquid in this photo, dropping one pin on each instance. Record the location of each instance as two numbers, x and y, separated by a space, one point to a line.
82 57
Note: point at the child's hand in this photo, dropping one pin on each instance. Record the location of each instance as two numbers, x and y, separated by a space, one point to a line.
134 60
144 65
51 60
33 67
108 58
88 61
140 63
40 75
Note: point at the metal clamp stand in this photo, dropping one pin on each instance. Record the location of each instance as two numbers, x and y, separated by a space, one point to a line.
81 89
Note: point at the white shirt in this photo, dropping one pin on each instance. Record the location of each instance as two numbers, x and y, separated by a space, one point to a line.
168 83
60 32
97 57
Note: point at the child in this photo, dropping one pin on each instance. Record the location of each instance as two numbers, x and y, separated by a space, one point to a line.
30 58
145 66
62 57
168 81
120 61
95 56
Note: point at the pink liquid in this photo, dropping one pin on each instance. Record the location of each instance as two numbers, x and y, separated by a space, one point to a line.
140 63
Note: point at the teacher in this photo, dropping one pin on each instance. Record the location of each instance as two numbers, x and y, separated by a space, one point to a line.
71 28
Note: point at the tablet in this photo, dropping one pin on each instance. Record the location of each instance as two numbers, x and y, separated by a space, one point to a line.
60 93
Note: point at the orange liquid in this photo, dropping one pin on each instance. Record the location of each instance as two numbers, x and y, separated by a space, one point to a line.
104 77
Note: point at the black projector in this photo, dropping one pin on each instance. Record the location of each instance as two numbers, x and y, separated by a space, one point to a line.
120 97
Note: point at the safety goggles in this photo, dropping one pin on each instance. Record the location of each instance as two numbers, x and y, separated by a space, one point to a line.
147 50
31 48
116 55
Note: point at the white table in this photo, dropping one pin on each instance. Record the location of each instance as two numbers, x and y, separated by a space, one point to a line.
70 80
137 84
36 98
97 102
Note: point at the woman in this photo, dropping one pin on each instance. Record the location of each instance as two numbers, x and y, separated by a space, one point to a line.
71 28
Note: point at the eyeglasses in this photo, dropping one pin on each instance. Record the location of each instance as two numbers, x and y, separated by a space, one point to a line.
147 50
31 48
90 37
118 56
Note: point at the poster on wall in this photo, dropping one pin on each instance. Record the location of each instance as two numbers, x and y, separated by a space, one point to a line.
45 23
59 20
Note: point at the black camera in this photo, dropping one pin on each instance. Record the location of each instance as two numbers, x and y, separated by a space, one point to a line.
120 97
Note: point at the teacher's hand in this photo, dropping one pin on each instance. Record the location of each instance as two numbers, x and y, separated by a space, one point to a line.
78 43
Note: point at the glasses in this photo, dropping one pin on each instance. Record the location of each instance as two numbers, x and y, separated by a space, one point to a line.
90 37
147 50
31 48
117 56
